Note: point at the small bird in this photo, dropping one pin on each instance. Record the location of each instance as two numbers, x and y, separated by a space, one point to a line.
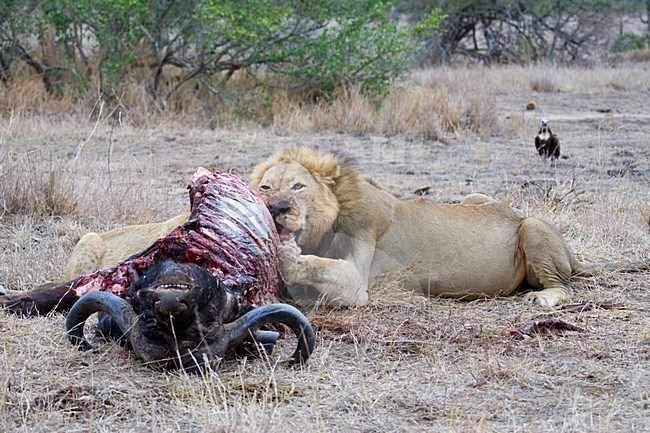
547 143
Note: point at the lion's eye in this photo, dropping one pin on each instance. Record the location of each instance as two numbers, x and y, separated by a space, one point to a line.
297 186
265 187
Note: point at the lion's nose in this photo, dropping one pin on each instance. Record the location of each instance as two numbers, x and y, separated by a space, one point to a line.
278 207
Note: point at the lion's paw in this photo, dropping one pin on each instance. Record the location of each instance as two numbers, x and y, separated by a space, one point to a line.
288 251
289 256
547 298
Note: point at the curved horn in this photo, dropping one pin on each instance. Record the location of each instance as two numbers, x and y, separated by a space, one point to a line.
278 313
120 311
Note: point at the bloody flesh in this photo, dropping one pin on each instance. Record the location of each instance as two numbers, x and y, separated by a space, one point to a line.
230 233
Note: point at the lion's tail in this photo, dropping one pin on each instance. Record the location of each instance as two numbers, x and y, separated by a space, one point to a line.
587 269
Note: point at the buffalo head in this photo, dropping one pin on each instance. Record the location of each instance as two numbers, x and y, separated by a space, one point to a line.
179 315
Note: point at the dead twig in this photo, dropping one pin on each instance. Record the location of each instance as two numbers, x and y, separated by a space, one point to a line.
592 305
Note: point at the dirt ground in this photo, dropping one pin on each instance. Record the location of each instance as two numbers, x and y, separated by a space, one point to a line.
404 363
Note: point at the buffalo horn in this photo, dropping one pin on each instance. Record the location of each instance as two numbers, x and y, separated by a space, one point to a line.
274 313
120 311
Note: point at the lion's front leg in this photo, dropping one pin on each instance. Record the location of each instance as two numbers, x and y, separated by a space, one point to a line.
337 280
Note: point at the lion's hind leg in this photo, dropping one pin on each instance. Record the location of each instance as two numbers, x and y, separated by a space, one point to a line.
548 263
86 256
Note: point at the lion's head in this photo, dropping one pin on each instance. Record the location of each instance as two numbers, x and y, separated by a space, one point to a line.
306 191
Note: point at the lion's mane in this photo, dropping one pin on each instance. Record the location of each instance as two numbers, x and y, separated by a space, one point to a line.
338 171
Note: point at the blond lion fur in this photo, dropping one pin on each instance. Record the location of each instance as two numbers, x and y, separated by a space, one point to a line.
335 170
478 248
96 251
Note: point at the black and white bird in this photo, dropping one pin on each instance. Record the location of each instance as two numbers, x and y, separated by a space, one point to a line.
547 143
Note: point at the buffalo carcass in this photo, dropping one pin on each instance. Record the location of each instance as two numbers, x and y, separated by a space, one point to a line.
219 270
180 315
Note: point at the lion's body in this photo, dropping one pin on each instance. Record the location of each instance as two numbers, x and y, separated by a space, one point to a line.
428 254
350 231
96 251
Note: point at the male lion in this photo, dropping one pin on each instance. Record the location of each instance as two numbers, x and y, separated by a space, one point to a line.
340 231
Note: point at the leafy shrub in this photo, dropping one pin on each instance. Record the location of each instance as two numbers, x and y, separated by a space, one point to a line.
627 42
320 44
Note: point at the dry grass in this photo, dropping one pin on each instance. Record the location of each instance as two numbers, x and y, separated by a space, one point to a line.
402 363
439 104
543 85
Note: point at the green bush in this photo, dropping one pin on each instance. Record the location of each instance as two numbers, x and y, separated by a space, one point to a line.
627 42
320 44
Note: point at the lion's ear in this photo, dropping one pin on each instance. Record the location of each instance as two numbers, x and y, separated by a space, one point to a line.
258 173
330 177
327 180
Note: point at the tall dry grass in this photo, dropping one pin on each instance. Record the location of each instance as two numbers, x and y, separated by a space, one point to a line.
73 169
433 104
34 183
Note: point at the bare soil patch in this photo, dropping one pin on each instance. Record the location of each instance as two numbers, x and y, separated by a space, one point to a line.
402 363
